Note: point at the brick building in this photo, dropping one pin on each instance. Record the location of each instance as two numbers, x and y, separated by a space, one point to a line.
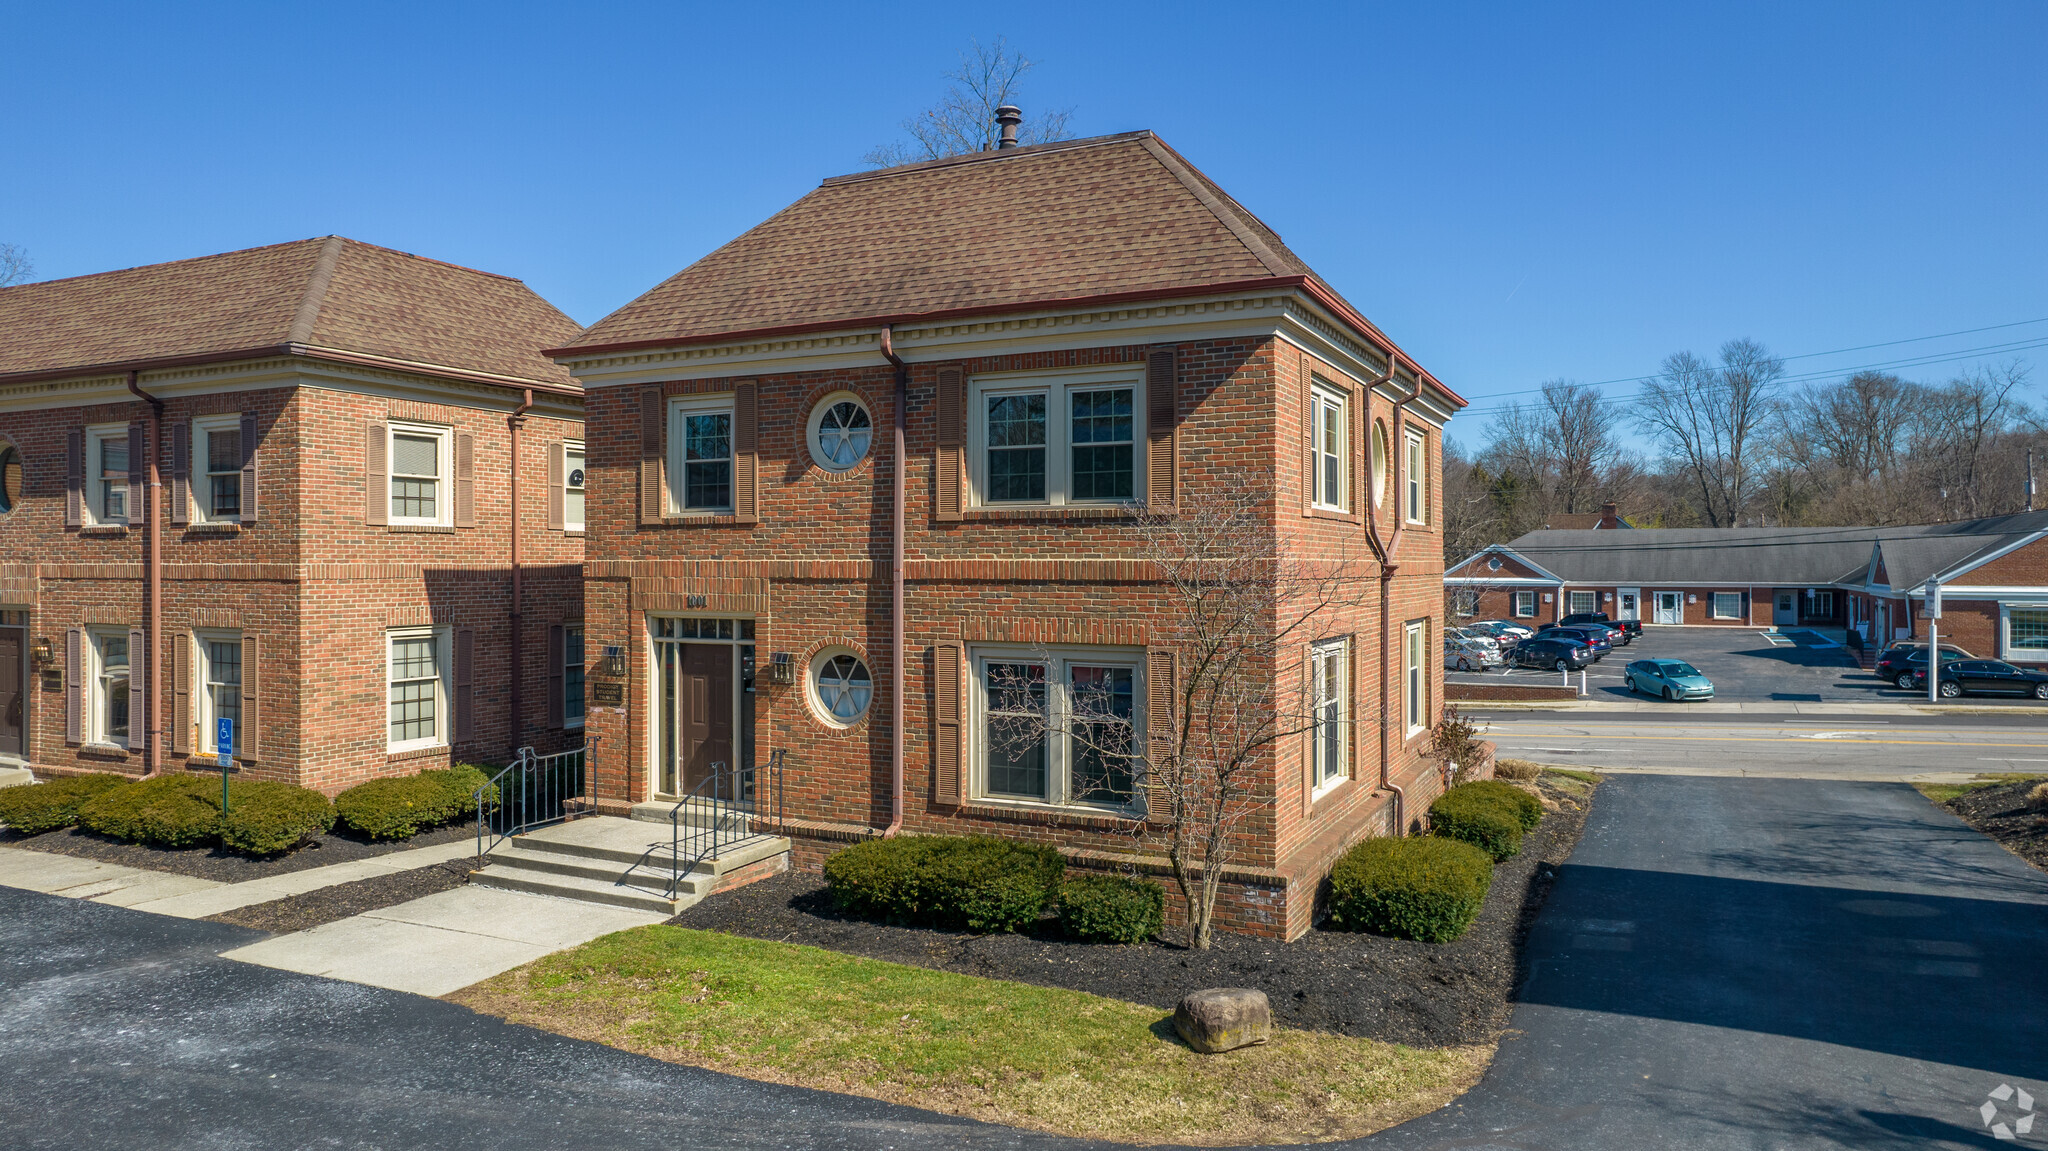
1873 582
1056 335
322 434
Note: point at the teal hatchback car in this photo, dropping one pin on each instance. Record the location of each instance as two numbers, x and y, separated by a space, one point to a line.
1672 679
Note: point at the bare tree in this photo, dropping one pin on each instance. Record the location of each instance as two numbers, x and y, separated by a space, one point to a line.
14 264
1708 421
1959 429
964 119
1582 442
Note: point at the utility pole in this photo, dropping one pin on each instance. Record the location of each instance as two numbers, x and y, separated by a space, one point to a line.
2030 479
1933 642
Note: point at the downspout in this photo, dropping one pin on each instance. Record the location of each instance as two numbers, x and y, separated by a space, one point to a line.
153 580
518 621
1384 552
896 676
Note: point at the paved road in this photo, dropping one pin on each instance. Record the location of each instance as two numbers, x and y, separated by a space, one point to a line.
1839 747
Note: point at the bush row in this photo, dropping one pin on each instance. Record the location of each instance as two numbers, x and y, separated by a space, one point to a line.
983 883
1488 814
402 806
1431 888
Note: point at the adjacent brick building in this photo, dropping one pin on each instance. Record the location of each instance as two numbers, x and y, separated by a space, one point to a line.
1063 334
322 433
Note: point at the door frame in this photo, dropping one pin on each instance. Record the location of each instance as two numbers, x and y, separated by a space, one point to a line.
27 694
742 645
1621 612
1678 607
1782 616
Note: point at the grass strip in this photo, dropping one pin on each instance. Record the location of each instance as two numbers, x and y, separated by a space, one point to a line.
1943 792
1034 1057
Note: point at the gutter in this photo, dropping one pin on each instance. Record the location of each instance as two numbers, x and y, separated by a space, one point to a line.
518 620
153 581
306 351
896 676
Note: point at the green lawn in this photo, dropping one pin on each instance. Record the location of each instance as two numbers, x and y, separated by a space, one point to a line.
1012 1053
1943 792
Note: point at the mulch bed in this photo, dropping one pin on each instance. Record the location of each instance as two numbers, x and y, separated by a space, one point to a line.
299 912
1353 984
2001 813
218 863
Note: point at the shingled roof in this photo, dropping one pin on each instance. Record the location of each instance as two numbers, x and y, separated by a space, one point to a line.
1106 216
324 293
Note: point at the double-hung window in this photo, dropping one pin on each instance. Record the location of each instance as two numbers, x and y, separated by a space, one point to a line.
572 676
420 467
1584 601
1525 604
1417 495
572 487
109 684
1060 730
416 674
1727 605
1071 440
700 454
1329 712
1328 450
220 676
217 447
106 474
1414 676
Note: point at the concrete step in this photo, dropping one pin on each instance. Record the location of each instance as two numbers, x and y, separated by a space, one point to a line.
653 875
703 815
579 888
627 841
621 862
16 777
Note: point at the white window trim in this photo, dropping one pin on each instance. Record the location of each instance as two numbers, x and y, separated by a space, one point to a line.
97 700
1415 676
202 669
1320 695
95 482
1058 758
1515 605
1715 605
444 673
817 422
1415 501
575 722
574 448
1572 602
1058 388
2005 648
1321 399
199 484
680 407
819 710
444 490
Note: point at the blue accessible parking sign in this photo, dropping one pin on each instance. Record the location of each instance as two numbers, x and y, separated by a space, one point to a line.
224 742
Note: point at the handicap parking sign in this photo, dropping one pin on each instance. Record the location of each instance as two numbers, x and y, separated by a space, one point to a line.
224 742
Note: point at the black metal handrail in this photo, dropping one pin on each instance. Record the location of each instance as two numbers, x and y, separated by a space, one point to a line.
721 810
531 791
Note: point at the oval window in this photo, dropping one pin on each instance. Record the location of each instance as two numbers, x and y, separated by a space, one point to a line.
841 687
841 432
1379 464
10 478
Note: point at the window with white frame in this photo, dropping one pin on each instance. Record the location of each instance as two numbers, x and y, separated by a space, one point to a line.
1584 601
417 678
108 681
2026 632
1329 449
1414 676
1465 601
572 676
420 467
1727 605
1063 729
1071 440
217 454
1823 604
1417 495
572 486
220 678
1330 712
700 454
106 474
840 432
1525 604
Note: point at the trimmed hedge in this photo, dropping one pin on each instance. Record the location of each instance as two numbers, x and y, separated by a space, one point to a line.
1478 814
1112 908
1528 809
401 806
1418 887
266 817
978 881
36 808
172 810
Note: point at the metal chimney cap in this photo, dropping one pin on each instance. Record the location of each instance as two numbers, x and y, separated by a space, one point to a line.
1009 116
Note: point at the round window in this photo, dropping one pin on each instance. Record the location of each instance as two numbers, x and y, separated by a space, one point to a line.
10 477
841 687
841 432
1493 563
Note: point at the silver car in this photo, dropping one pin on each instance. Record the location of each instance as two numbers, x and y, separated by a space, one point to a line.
1470 654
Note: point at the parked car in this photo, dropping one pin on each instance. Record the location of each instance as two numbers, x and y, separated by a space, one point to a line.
1672 679
1472 653
1554 651
1593 635
1628 628
1902 664
1504 633
1989 677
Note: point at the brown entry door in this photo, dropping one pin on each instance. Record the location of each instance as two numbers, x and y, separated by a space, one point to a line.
706 718
13 699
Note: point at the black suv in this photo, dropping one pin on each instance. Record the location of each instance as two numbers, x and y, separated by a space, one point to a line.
1628 628
1903 664
1557 652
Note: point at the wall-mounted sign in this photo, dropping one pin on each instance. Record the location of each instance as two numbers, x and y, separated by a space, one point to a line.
607 691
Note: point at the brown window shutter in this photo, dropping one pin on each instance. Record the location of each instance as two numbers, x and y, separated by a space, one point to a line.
181 694
249 469
141 716
465 479
653 417
138 468
746 506
12 478
252 699
558 651
465 684
558 480
181 474
949 766
1159 732
376 475
950 468
74 478
74 685
1162 415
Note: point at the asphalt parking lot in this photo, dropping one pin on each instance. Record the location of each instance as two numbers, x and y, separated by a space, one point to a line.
1745 665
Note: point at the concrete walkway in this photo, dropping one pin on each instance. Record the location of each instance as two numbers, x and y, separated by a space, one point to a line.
189 897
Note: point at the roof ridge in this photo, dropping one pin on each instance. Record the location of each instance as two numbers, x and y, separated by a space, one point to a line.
982 157
159 264
1205 194
308 315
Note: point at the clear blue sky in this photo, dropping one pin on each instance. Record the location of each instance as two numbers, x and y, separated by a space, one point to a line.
1515 192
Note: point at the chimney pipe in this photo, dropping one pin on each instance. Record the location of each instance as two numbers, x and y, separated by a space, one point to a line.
1009 116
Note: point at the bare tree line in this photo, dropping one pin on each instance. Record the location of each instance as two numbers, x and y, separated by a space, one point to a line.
1731 443
14 264
964 119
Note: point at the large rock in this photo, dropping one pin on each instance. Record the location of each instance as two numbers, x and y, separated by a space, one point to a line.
1223 1018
